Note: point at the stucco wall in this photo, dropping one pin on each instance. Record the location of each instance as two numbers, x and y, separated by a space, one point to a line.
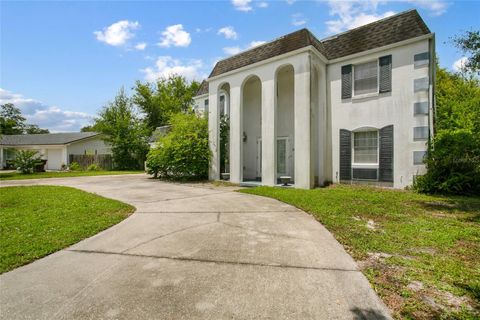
395 107
199 104
90 146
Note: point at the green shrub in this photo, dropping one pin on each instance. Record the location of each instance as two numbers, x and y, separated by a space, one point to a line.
183 154
74 166
26 160
453 164
93 167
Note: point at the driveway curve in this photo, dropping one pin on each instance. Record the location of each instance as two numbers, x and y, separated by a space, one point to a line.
192 251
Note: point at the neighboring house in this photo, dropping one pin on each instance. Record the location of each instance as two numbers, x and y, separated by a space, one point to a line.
53 147
200 105
157 134
357 106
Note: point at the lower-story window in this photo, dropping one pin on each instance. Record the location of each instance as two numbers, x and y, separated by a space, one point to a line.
365 155
365 147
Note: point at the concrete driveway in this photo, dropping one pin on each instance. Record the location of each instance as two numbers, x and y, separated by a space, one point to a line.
192 252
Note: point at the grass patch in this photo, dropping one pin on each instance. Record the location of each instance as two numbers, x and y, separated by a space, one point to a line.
60 174
421 253
38 220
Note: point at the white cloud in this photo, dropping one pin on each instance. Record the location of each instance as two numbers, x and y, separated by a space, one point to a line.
256 43
118 33
166 66
141 46
232 50
353 14
298 19
235 50
459 65
262 4
50 117
290 1
436 7
228 32
242 5
175 36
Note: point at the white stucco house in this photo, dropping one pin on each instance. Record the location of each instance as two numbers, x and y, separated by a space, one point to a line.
56 148
354 107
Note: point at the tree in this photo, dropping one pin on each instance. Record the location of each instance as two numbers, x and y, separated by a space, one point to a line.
469 43
11 119
13 122
183 154
457 101
34 129
168 96
453 158
124 130
90 128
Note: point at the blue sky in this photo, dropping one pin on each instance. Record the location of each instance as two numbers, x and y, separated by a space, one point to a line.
62 61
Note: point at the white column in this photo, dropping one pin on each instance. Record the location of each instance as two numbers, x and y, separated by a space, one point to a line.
268 133
303 174
65 155
213 135
236 135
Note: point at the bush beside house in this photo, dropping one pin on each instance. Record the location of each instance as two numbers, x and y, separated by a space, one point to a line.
183 154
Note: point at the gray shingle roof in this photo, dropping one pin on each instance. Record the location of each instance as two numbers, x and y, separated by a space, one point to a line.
44 139
203 88
403 26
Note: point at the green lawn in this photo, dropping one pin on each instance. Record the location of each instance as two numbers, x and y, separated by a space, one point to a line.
38 220
421 253
60 174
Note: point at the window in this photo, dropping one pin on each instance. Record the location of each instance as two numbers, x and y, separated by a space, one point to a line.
365 147
420 84
420 133
281 156
206 105
418 157
222 105
421 59
365 78
420 108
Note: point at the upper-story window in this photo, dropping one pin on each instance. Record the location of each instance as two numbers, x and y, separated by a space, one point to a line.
206 105
365 77
365 147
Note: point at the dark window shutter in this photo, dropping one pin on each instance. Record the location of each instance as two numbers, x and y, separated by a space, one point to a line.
347 81
385 165
385 82
345 155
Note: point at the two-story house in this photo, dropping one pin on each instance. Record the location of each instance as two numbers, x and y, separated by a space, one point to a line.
354 107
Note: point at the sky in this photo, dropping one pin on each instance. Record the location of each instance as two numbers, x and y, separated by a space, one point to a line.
61 62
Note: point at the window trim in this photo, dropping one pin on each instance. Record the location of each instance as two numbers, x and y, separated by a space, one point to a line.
421 139
366 165
423 158
370 94
421 63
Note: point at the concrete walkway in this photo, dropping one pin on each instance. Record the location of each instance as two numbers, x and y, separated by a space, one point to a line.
192 252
